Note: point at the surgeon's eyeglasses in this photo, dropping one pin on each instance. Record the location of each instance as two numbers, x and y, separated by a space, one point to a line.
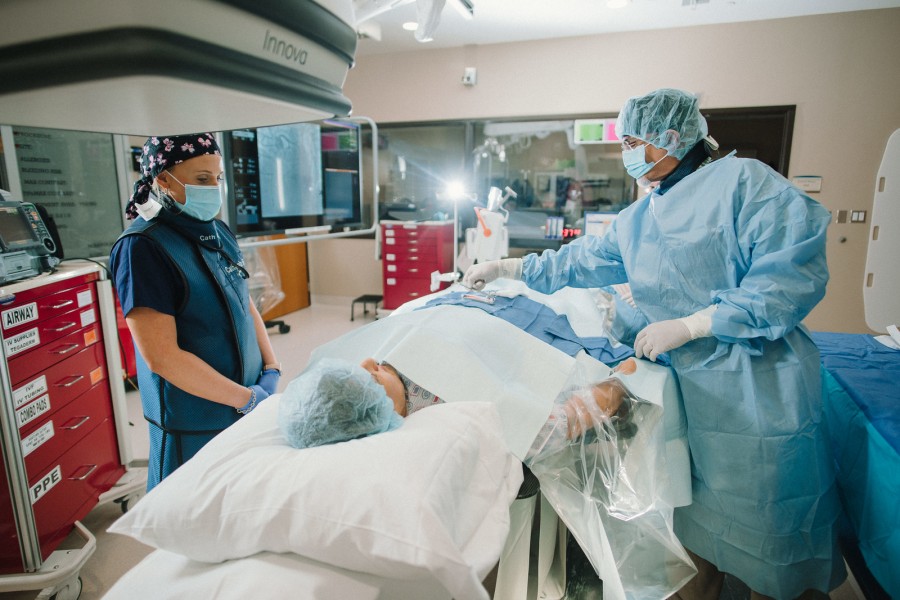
632 143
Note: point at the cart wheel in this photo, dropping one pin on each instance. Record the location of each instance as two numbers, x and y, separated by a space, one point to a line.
124 505
284 328
69 591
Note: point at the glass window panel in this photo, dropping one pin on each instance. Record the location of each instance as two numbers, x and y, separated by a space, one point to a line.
73 174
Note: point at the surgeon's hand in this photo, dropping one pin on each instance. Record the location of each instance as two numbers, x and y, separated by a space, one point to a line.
268 380
481 274
660 337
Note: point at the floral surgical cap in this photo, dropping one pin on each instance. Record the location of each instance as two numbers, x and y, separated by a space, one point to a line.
164 152
334 401
666 118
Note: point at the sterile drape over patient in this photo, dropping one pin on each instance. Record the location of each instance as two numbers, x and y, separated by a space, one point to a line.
610 485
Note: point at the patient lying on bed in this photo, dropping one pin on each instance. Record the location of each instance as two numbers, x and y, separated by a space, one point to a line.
336 401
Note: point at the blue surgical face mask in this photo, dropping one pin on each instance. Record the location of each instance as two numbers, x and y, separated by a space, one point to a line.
202 202
635 162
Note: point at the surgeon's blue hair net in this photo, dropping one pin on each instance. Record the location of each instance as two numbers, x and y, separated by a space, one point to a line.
334 401
666 118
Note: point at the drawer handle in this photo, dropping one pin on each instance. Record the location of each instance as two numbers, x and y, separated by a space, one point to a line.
413 270
413 258
68 325
84 419
67 349
90 469
75 379
63 304
414 294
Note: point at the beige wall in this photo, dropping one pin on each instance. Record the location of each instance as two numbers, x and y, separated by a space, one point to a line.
841 71
343 269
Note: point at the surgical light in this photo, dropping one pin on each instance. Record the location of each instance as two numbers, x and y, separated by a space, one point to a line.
410 26
455 191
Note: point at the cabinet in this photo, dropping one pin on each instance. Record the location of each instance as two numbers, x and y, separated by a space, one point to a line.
410 252
62 406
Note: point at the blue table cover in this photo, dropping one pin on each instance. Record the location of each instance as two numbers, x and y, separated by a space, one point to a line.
862 412
543 323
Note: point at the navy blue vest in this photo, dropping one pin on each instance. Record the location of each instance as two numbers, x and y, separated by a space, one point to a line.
214 323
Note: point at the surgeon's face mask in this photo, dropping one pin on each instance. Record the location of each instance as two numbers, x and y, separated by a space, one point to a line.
202 202
635 162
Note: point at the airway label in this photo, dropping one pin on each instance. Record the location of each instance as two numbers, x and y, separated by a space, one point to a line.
20 314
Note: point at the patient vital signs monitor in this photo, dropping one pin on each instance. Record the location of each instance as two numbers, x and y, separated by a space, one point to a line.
26 246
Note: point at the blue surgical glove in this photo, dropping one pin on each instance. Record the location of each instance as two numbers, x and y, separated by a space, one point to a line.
268 380
259 394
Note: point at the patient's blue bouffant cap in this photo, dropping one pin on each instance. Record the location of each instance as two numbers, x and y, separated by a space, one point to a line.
334 401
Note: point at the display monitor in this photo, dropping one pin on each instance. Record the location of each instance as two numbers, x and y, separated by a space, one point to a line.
341 165
293 176
15 231
597 223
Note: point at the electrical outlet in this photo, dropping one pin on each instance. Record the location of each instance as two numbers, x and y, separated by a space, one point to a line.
469 76
858 216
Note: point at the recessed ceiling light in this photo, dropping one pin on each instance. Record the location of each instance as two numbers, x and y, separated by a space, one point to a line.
410 26
617 3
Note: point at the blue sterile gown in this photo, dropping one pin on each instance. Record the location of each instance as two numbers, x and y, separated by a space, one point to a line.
737 234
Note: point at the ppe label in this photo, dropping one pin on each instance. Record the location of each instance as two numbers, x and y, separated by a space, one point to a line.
22 341
29 391
46 484
34 441
19 315
32 411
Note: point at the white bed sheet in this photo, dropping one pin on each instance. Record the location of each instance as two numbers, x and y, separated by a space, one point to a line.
268 575
589 312
264 576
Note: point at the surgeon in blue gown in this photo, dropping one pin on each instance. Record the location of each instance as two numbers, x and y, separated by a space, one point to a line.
724 258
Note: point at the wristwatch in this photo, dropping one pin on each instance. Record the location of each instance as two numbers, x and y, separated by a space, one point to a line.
275 365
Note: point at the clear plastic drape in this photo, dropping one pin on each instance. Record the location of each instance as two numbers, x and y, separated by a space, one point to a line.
601 464
265 279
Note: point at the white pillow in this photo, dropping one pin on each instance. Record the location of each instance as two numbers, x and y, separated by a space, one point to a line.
430 499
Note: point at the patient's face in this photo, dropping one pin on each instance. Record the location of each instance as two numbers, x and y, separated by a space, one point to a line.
386 376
